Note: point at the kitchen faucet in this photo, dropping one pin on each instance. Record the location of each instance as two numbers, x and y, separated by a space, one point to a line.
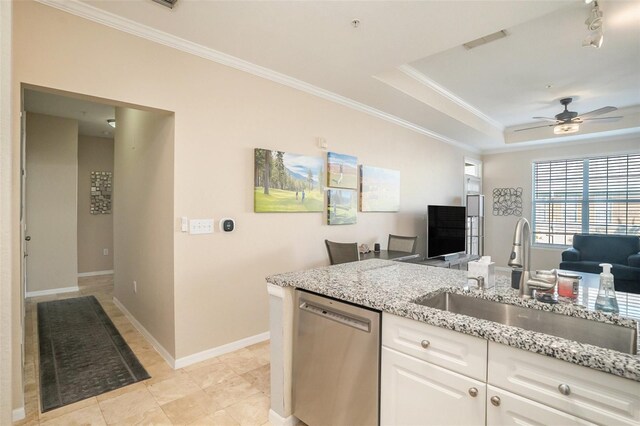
521 258
479 281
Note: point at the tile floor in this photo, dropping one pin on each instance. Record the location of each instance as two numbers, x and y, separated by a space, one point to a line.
232 389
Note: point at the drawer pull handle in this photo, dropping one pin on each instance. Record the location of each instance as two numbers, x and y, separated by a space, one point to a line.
564 389
473 392
425 344
495 400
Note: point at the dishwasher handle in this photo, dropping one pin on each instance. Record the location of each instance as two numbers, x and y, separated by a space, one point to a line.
337 316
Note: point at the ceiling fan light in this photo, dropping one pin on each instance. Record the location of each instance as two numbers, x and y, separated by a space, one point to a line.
594 39
594 21
564 128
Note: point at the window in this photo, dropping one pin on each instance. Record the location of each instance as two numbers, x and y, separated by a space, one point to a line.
593 195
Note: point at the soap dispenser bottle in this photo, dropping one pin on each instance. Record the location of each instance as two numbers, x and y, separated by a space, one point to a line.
606 300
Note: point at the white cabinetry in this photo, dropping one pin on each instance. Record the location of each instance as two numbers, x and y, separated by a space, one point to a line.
506 408
415 392
581 391
431 375
454 351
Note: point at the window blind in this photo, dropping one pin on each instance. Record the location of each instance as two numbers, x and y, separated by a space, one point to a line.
594 195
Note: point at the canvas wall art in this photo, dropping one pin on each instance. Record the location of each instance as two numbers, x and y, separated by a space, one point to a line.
285 182
342 206
342 171
379 189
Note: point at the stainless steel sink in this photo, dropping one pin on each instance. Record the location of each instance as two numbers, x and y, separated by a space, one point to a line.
619 338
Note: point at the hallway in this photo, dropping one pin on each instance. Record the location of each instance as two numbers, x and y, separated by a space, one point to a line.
232 389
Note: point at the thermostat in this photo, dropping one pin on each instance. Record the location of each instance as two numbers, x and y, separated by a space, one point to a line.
227 224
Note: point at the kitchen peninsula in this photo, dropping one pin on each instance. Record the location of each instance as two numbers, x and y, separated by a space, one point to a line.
503 371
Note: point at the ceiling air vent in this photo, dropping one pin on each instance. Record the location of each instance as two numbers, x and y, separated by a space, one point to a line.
168 3
483 40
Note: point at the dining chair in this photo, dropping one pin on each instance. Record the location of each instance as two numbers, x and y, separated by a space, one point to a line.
403 244
342 252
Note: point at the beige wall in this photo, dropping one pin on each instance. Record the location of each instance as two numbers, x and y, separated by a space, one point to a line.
143 220
221 115
10 327
514 169
51 191
95 232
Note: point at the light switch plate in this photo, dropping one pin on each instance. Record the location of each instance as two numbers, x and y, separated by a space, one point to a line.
201 226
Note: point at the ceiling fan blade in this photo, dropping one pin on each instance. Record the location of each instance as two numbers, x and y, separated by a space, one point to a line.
545 118
535 127
604 119
598 111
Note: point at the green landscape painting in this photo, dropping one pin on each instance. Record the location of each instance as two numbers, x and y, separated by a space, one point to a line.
342 206
379 189
342 171
285 182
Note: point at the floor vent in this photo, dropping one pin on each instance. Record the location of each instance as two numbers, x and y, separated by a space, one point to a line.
484 40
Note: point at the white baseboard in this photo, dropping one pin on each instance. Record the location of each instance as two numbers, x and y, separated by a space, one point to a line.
157 346
197 357
94 273
277 420
18 414
51 291
221 350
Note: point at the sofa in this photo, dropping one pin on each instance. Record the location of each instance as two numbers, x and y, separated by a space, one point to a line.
622 251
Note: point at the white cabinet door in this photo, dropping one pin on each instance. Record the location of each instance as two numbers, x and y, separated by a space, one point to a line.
600 397
450 349
506 408
414 392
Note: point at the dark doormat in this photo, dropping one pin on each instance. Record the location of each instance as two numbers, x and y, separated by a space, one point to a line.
82 354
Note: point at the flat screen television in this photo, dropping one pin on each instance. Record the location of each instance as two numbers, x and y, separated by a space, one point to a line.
446 232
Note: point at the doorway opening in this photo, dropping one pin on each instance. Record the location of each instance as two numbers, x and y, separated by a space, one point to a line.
97 205
68 169
474 201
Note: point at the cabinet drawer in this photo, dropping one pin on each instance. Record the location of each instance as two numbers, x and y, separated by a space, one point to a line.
593 395
511 409
449 349
415 392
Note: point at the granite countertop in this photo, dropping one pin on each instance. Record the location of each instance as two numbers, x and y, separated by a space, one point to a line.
393 286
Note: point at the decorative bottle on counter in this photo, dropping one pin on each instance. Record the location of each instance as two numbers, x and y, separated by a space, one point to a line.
568 285
606 300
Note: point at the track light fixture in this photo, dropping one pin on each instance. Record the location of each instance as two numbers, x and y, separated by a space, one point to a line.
594 25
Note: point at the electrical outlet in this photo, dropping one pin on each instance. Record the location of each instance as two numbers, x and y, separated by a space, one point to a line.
105 252
135 287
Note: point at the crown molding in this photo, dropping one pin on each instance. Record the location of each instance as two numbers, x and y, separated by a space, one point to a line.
92 13
564 141
420 77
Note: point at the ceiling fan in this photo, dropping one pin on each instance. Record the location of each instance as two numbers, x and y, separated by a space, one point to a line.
569 121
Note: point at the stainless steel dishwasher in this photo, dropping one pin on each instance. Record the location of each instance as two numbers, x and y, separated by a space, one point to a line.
336 362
